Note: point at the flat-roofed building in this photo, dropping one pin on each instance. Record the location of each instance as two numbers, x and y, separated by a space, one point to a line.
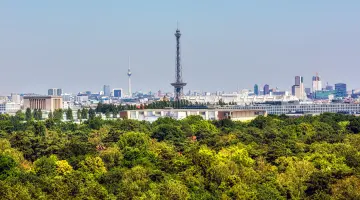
304 108
207 114
49 103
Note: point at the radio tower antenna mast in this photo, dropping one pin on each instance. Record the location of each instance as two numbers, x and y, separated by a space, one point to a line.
178 84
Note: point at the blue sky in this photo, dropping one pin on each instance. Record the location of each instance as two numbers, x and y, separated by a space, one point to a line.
82 45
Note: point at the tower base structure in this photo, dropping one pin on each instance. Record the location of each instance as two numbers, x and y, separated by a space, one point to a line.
178 90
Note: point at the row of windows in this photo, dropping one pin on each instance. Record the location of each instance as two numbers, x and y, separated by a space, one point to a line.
316 108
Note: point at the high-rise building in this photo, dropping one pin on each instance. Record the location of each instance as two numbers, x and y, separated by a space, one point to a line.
66 97
293 88
52 92
256 89
55 92
298 89
298 80
307 91
266 89
316 83
117 92
106 90
340 89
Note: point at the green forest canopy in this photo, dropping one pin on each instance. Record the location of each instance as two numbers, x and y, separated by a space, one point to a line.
272 157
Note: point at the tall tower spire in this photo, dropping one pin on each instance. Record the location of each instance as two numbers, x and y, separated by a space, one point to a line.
129 75
178 84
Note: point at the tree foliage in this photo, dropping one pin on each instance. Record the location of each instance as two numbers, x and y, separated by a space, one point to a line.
274 157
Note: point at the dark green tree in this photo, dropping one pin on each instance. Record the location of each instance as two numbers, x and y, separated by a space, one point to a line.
115 113
69 114
78 114
107 114
35 114
84 113
50 115
58 115
92 113
28 114
39 115
354 125
7 166
20 115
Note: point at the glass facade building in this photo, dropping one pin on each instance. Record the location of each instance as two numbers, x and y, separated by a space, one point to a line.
106 90
256 89
340 89
117 93
266 89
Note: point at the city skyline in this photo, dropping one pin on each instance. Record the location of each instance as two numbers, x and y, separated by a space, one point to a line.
90 48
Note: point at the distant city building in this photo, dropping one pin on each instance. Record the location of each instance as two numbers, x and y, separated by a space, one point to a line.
298 89
316 83
66 97
340 89
117 92
307 91
329 87
266 89
3 99
106 90
239 99
48 103
15 98
323 94
294 89
81 98
301 109
298 80
9 107
207 114
219 93
55 92
279 93
88 93
256 90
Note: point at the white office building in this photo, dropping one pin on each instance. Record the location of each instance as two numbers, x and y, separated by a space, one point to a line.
9 108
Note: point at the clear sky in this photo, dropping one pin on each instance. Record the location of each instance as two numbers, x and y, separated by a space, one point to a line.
82 45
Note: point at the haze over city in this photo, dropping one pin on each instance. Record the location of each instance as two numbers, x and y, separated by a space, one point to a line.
82 45
185 100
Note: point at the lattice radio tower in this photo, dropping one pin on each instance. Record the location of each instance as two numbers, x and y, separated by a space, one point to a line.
178 84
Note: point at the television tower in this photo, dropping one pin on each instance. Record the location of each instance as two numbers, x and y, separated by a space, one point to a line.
178 84
129 75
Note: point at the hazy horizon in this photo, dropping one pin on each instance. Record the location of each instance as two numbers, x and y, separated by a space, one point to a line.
83 45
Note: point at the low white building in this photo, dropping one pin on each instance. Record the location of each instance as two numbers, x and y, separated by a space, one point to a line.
207 114
9 108
239 99
83 99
